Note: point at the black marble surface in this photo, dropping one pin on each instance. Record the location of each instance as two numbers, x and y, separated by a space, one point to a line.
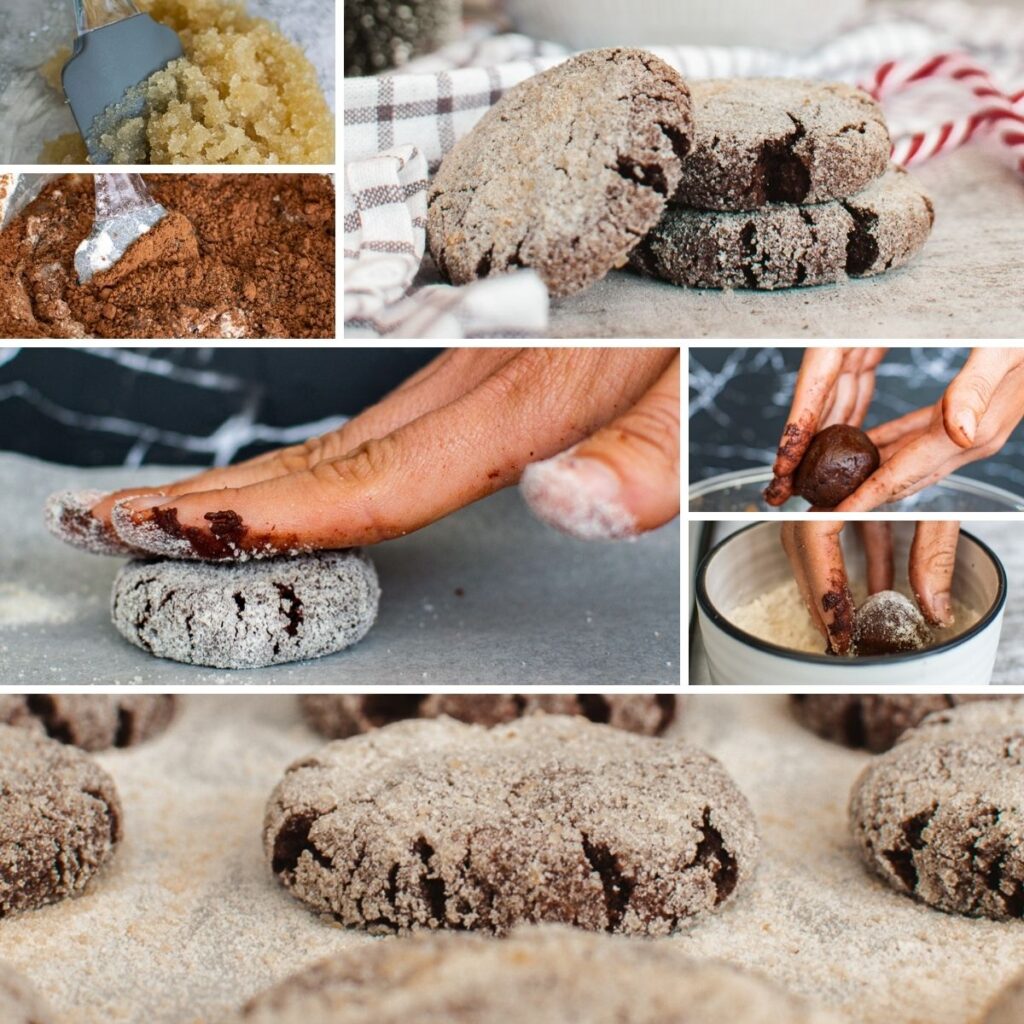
186 406
739 399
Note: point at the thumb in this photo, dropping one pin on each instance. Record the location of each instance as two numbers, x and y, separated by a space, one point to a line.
621 481
969 395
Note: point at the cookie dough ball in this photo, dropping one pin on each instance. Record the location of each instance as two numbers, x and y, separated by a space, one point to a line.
60 820
549 974
249 614
889 622
837 461
91 721
20 1003
1009 1005
874 721
941 816
337 715
440 824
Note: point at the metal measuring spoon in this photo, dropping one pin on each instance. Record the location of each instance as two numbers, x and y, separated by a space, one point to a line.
116 49
125 211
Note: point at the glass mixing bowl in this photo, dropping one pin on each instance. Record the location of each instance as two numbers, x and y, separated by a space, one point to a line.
742 491
32 31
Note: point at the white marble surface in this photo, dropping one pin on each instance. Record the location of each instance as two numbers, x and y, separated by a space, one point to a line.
1005 540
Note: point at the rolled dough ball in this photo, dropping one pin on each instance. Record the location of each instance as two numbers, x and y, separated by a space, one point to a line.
837 461
889 622
247 615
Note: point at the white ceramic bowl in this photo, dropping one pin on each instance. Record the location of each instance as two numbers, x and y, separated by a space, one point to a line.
778 24
750 562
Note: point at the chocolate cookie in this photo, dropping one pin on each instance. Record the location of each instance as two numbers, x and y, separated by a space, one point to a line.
1009 1005
246 615
549 974
338 715
439 824
90 721
782 246
874 721
941 816
60 820
780 140
564 174
20 1003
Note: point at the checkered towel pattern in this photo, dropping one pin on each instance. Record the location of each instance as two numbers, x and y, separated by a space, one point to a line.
398 127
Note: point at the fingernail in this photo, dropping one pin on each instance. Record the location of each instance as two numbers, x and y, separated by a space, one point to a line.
142 504
944 609
580 496
968 424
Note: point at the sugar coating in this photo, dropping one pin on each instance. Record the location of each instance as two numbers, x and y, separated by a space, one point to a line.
68 516
569 501
940 817
90 721
564 174
758 140
1009 1005
874 721
20 1003
784 245
439 824
337 715
890 621
60 820
246 616
549 974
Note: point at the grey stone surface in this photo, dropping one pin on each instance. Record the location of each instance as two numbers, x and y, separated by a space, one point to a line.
537 608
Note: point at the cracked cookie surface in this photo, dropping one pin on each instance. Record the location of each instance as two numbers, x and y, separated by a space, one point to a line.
548 974
941 816
90 721
780 140
60 820
874 721
564 174
440 824
20 1003
246 615
338 715
785 246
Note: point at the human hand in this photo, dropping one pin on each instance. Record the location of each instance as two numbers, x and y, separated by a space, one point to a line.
816 557
978 412
593 434
834 385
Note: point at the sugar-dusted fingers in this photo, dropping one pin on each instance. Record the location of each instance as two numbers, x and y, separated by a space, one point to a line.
932 562
791 545
815 547
622 480
534 406
876 537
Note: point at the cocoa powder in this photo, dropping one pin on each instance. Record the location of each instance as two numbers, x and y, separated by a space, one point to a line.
262 265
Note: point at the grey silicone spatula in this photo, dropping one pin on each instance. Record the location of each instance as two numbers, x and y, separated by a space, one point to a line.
116 48
125 211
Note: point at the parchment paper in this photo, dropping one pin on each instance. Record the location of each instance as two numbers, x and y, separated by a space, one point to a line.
537 607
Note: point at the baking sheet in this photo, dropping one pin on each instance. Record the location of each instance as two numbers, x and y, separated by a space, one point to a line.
537 607
187 923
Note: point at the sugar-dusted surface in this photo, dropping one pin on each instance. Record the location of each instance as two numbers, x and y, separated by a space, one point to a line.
187 923
488 594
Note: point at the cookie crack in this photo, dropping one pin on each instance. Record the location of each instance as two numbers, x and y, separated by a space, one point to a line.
902 860
861 246
617 887
292 841
748 241
293 612
716 859
783 171
434 890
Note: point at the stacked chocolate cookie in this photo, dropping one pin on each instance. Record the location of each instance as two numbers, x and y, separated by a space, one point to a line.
611 157
788 183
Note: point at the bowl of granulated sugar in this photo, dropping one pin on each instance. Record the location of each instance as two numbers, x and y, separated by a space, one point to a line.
756 628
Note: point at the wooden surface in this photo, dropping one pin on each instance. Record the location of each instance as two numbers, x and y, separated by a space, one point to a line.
1005 539
967 283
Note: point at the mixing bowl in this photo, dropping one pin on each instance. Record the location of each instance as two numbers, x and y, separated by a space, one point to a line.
742 491
751 562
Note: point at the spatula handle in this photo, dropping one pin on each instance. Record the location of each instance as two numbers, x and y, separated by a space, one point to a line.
120 193
90 14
